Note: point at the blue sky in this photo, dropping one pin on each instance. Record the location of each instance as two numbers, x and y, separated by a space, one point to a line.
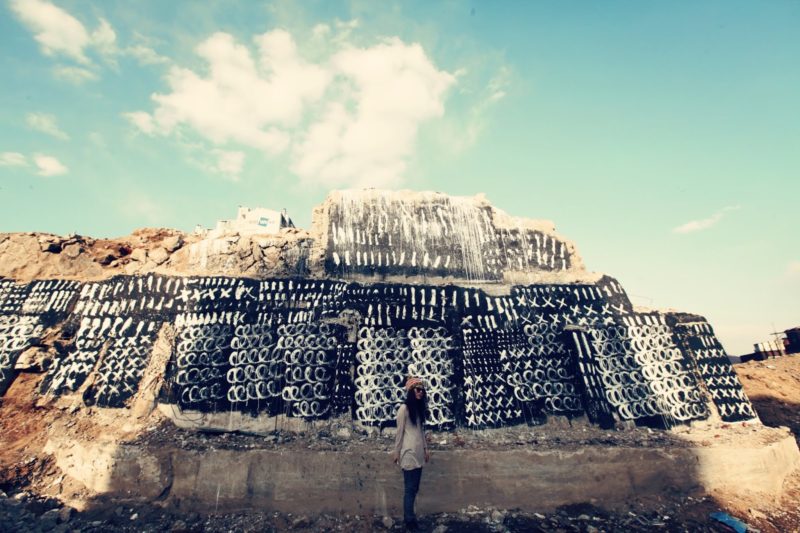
663 138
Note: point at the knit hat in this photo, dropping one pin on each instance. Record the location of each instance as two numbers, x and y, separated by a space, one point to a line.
412 382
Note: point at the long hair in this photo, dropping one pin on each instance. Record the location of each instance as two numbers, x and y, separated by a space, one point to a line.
417 409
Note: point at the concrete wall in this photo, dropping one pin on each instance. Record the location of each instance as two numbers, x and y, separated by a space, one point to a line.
357 482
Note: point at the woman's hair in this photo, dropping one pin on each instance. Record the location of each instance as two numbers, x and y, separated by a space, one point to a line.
417 409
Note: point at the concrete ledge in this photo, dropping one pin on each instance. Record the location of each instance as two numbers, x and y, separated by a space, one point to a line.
367 482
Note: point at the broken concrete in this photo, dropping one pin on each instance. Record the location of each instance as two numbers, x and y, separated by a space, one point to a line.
360 482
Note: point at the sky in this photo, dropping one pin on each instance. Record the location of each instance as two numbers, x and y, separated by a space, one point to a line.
663 138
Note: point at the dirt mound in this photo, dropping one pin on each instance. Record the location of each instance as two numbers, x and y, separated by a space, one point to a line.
28 256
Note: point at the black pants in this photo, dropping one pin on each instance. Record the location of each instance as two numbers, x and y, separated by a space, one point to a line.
411 481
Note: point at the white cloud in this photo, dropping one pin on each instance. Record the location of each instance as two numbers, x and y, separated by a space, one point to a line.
395 88
49 165
704 223
12 159
239 100
143 121
60 33
145 55
104 39
351 119
229 164
45 165
74 75
56 31
45 123
461 132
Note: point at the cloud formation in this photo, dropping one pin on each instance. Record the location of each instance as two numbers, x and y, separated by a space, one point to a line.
367 137
74 75
229 164
45 123
56 31
49 165
704 223
12 159
46 165
60 34
351 119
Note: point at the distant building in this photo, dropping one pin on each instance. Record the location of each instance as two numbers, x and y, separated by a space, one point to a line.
252 221
792 341
786 344
765 350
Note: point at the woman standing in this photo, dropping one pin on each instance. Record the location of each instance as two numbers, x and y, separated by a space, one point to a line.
410 447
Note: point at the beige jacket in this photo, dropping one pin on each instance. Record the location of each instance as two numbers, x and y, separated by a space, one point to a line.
409 442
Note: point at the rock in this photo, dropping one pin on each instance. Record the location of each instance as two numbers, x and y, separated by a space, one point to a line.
65 514
300 521
179 526
134 516
243 247
158 255
49 520
171 244
388 522
51 247
498 517
344 433
441 528
35 359
139 254
583 517
72 250
592 529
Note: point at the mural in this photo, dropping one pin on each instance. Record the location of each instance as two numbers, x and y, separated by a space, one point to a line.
375 233
25 312
311 349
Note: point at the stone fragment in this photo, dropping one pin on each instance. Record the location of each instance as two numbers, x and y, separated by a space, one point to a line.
158 255
34 359
65 514
72 250
172 243
49 520
388 522
179 526
139 254
51 247
300 521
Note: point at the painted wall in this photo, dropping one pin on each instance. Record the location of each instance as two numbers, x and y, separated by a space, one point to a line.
282 346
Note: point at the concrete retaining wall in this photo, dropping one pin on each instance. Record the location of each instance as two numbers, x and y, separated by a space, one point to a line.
291 481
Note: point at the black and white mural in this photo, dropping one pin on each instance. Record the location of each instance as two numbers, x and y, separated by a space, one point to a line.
311 349
372 233
25 313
